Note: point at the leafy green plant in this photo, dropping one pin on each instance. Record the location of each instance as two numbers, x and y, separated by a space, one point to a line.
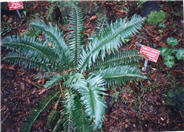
59 9
79 73
155 17
172 41
160 31
175 98
180 54
139 3
161 25
168 53
169 61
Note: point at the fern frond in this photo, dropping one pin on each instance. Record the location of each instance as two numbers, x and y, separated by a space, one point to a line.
30 43
54 115
52 6
30 50
75 28
46 75
69 107
91 91
54 36
120 74
75 116
126 57
58 126
36 112
80 119
22 60
109 40
54 81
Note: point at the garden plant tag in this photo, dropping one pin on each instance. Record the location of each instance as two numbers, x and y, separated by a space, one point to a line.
150 53
15 5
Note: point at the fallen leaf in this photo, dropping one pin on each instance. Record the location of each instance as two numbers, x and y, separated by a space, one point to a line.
22 86
89 31
43 81
153 75
49 44
28 101
93 18
122 11
42 91
161 44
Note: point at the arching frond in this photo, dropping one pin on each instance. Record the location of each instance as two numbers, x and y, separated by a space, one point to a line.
83 107
75 28
30 50
30 43
54 115
54 37
68 110
75 117
126 57
80 119
36 112
109 40
121 74
22 60
91 91
55 80
58 126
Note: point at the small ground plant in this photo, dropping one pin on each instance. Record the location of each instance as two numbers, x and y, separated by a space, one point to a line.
155 17
175 98
161 26
80 74
168 53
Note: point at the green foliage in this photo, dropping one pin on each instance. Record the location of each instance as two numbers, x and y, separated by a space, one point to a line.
172 41
90 91
120 74
36 112
101 22
54 81
75 38
175 98
160 31
155 17
169 61
57 7
168 57
109 40
78 73
164 51
161 25
180 54
139 3
53 115
129 57
168 53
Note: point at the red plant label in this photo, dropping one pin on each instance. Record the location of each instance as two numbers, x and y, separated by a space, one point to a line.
149 53
15 5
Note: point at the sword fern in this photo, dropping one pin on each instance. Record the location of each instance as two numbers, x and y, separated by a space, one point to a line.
82 105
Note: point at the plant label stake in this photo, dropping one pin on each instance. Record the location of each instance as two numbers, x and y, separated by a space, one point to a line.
18 12
150 54
16 6
145 65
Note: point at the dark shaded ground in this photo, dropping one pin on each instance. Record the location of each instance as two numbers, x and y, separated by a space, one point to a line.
141 107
